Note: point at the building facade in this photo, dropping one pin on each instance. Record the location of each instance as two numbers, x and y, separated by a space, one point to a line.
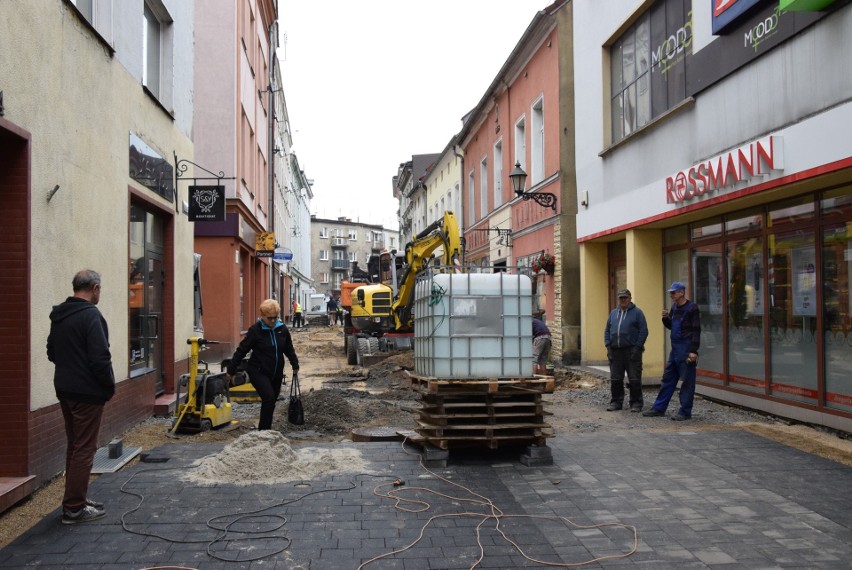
96 105
232 134
710 151
336 245
525 119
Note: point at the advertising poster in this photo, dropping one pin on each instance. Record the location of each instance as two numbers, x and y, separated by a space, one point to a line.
804 281
754 287
714 285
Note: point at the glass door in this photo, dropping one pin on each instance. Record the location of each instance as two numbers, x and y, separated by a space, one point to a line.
145 295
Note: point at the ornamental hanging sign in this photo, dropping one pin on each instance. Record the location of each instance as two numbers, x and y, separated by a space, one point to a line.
206 204
720 173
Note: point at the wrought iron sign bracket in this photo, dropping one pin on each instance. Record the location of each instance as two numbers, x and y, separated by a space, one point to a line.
182 165
504 235
545 199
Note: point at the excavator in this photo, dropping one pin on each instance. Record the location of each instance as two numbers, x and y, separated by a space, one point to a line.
382 310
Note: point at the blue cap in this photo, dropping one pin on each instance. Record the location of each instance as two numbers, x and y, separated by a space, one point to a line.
677 286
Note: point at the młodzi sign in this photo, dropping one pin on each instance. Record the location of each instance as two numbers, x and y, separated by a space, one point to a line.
757 158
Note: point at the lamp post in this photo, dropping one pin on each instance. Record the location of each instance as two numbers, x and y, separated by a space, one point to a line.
519 178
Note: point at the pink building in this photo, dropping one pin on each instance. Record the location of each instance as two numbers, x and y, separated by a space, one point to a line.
525 119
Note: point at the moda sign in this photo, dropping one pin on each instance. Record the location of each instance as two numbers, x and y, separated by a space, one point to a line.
722 172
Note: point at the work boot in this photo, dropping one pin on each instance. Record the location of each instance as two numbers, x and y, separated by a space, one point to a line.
613 407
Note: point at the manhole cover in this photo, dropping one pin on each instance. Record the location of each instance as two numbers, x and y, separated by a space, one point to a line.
376 434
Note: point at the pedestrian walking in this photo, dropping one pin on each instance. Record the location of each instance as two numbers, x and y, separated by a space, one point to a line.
269 342
684 321
624 337
541 344
78 346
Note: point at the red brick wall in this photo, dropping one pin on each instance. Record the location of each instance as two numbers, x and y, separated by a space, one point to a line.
14 300
133 403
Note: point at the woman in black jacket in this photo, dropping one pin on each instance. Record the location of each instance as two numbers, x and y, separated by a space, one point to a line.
269 342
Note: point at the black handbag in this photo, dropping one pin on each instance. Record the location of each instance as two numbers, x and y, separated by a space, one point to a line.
295 410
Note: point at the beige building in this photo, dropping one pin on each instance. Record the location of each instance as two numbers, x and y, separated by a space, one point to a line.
96 107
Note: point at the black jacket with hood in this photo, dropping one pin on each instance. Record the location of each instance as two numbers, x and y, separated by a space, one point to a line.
78 344
268 346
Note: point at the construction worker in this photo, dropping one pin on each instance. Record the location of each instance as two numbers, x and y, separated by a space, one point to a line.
297 316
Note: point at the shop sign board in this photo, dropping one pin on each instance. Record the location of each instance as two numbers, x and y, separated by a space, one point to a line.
264 244
726 12
206 204
722 172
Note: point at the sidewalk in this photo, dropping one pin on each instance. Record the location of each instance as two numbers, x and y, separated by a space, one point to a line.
696 500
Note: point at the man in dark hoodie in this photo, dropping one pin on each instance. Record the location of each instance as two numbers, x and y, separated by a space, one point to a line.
78 346
624 337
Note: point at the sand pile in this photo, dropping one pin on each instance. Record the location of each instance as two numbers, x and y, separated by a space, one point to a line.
265 457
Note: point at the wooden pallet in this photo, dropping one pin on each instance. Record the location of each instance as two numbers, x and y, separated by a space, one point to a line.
483 412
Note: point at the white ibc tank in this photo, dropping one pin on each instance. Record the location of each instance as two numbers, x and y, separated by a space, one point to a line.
473 325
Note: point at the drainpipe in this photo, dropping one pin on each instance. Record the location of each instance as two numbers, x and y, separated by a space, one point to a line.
461 201
270 114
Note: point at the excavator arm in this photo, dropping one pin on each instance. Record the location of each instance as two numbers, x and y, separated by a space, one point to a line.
418 253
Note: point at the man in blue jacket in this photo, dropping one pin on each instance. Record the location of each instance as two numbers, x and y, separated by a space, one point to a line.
624 337
684 321
78 345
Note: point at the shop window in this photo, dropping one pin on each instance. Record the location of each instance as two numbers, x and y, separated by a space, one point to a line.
676 236
706 229
837 321
746 291
792 211
837 202
792 286
744 222
706 289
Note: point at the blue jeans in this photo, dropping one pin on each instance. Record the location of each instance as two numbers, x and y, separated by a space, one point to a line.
677 370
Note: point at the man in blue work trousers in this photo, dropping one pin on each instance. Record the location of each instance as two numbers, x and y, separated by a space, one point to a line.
684 320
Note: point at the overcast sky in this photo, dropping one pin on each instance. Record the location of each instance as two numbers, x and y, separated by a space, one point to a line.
370 83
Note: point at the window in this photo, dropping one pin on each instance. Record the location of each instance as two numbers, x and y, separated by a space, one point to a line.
157 51
498 175
353 235
471 198
151 52
520 143
324 277
647 66
368 236
483 188
323 233
353 256
85 8
323 255
537 143
99 14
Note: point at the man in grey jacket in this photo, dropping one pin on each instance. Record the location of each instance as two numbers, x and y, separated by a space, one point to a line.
624 337
78 345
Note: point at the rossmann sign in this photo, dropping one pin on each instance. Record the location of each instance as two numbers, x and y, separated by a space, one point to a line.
725 171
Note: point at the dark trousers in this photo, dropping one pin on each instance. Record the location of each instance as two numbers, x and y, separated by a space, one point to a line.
268 389
297 320
82 424
625 360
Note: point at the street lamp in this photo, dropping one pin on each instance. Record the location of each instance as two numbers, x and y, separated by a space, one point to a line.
519 178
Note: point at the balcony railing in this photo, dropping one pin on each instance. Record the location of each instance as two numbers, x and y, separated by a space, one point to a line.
339 242
339 265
